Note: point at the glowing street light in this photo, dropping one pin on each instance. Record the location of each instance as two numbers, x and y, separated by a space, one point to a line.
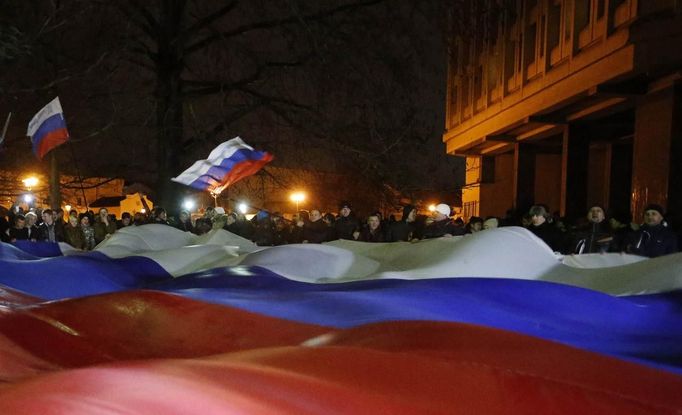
189 205
297 197
432 208
28 198
30 182
243 208
67 208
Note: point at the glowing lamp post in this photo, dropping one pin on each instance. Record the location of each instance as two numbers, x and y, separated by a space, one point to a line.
188 205
432 208
297 197
30 182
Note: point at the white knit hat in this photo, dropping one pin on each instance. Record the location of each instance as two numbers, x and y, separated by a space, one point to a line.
443 208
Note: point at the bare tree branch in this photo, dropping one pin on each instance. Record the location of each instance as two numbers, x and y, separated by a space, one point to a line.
268 24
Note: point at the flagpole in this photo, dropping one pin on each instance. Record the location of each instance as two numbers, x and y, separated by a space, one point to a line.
4 129
55 192
78 172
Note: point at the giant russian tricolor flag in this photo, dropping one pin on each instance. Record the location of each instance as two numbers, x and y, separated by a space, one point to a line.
228 163
156 320
47 129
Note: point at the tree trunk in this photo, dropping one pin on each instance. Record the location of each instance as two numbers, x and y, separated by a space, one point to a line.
169 104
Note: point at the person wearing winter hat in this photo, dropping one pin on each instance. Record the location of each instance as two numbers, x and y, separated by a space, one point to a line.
346 224
442 225
406 228
654 238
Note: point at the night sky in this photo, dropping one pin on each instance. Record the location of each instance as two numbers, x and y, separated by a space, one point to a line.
345 86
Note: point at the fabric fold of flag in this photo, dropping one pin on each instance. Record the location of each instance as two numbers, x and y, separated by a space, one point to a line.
47 129
228 163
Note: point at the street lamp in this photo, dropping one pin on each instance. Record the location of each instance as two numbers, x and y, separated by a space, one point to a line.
432 208
30 182
243 208
188 205
297 197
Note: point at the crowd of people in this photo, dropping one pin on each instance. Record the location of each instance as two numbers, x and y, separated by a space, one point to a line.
594 233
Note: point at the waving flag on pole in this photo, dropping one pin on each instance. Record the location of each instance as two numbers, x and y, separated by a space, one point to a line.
228 163
47 129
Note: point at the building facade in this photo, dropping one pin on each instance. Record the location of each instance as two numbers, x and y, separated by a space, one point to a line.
568 103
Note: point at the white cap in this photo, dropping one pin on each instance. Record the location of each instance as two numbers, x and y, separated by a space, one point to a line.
219 210
443 208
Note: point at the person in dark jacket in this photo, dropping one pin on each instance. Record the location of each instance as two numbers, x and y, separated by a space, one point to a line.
160 216
595 236
58 215
264 230
48 231
346 223
405 229
620 222
373 231
329 220
126 220
442 225
654 238
18 230
315 231
545 230
184 222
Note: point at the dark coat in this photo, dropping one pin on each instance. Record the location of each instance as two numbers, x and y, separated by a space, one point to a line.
32 232
652 241
185 226
368 236
436 229
593 238
346 226
43 233
264 233
550 234
401 231
316 232
241 228
18 234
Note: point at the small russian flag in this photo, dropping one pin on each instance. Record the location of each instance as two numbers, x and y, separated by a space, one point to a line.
228 163
47 129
